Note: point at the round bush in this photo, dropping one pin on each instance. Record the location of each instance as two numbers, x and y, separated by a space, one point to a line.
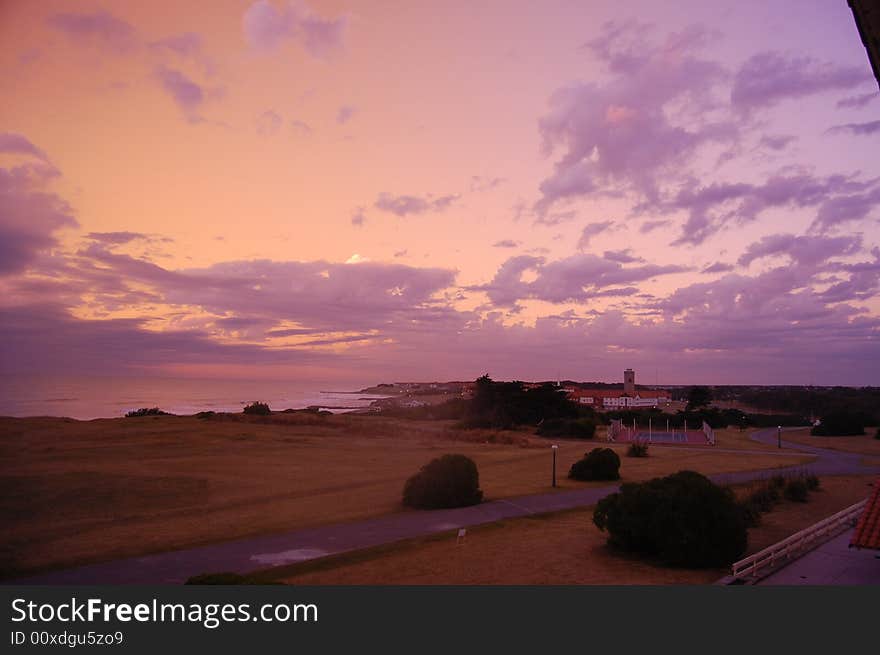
598 464
796 490
682 519
448 481
258 408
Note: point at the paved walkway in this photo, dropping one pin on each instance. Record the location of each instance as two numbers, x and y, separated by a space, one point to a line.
832 563
247 555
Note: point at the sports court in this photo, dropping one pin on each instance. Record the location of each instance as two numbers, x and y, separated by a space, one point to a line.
619 432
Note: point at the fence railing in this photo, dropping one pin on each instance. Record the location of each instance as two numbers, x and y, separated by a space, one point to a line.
770 556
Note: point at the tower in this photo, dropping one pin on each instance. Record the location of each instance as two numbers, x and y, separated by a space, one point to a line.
629 382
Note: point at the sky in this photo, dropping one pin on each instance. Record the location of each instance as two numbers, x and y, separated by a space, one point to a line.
407 190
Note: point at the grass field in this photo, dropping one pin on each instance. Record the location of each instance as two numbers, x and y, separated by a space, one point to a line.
73 492
563 548
864 444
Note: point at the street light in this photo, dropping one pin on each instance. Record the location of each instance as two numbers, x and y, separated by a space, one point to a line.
555 448
779 436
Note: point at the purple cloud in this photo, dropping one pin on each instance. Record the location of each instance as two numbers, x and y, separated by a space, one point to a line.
803 250
718 267
591 230
186 45
625 134
345 114
268 123
405 205
768 78
17 144
845 208
857 129
358 217
186 93
712 207
777 141
857 101
624 256
266 27
649 226
506 243
100 26
574 279
30 215
299 127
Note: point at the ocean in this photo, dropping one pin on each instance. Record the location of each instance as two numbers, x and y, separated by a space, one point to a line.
106 397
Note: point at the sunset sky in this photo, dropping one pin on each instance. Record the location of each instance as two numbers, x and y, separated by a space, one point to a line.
417 190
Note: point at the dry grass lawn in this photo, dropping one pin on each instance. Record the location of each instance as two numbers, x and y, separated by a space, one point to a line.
563 548
73 492
865 444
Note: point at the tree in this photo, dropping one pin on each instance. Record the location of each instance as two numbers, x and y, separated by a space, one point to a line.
698 397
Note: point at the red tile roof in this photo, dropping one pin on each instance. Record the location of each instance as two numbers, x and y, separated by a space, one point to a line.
867 534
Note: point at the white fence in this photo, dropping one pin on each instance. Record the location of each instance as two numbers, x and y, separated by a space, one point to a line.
770 556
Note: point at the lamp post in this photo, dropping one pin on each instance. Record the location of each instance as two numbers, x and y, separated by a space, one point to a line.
555 448
779 436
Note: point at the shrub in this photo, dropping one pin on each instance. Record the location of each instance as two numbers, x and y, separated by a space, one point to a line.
580 428
877 436
146 411
208 414
796 490
777 481
598 464
638 449
750 512
448 481
812 482
257 408
765 497
682 519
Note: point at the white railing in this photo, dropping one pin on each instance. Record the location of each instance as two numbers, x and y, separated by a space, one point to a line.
769 556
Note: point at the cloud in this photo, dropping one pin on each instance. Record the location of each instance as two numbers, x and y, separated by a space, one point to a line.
345 114
624 256
100 27
30 213
405 205
591 230
768 78
776 142
578 278
712 207
268 123
121 238
649 226
625 134
188 95
506 243
857 129
857 101
267 27
400 253
299 127
13 143
845 208
358 217
803 250
479 184
186 45
718 267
